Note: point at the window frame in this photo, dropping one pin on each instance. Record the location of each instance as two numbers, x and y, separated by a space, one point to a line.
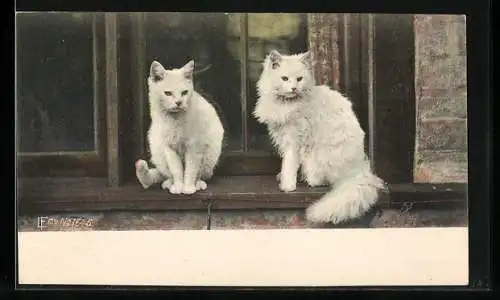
232 163
104 179
77 163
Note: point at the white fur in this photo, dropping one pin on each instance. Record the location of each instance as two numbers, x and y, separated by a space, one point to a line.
185 136
316 130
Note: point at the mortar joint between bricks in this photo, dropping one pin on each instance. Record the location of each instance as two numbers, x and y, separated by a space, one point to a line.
209 214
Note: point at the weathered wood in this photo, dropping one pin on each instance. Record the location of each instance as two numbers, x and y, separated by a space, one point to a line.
369 79
112 100
48 195
323 44
350 66
131 107
244 80
139 74
99 45
346 56
61 164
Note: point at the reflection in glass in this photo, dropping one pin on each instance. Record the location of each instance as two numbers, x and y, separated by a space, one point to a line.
55 92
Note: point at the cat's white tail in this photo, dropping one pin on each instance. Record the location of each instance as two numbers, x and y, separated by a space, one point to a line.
348 199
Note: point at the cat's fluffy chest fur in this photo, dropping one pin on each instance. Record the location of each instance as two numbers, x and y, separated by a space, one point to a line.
188 129
317 125
167 133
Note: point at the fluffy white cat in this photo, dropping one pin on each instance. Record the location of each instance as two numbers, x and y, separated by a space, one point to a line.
315 129
185 136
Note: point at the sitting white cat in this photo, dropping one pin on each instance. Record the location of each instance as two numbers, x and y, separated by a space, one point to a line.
315 129
185 136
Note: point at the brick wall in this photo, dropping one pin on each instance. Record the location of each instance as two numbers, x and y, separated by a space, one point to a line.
441 96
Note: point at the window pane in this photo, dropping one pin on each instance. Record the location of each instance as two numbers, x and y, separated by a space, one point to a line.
212 40
285 32
55 92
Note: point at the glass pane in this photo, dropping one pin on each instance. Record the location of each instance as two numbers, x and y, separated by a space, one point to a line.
285 32
213 41
55 92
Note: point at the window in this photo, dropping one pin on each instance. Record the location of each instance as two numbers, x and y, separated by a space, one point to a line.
228 49
175 38
83 113
58 94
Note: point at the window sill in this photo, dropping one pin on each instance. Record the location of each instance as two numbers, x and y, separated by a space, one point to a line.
49 195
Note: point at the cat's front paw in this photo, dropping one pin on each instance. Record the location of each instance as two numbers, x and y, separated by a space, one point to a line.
189 189
287 186
167 184
176 188
173 188
201 185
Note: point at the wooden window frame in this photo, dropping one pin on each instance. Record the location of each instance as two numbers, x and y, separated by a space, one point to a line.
104 179
84 163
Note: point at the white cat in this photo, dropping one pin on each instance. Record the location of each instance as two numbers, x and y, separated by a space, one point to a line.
315 129
185 136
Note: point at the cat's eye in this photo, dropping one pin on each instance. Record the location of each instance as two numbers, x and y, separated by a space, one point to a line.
284 78
299 79
184 93
168 93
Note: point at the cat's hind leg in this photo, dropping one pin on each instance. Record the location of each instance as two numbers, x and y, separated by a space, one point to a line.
317 183
313 172
194 166
315 180
167 184
201 183
205 174
146 176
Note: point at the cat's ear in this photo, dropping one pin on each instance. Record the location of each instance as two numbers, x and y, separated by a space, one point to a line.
305 58
188 70
275 59
156 71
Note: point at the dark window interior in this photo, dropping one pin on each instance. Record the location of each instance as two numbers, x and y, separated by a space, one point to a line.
392 64
285 32
228 49
55 82
395 97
